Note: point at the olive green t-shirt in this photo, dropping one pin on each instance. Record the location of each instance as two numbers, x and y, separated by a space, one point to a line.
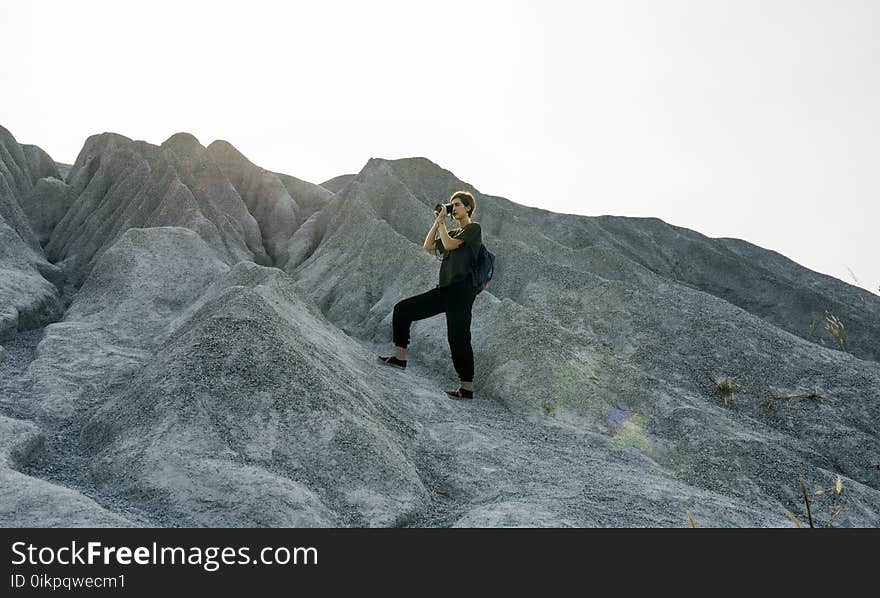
458 263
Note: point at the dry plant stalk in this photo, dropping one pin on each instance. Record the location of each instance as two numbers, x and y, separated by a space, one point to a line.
806 497
791 516
834 327
813 394
691 520
835 509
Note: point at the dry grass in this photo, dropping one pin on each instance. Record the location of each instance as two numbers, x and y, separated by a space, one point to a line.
834 509
771 402
691 520
834 327
727 388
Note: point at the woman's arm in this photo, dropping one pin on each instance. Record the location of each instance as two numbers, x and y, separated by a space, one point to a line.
448 242
432 234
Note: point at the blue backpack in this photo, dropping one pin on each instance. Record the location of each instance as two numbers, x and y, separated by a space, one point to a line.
484 268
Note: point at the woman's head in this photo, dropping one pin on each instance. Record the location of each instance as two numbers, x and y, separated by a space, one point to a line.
465 199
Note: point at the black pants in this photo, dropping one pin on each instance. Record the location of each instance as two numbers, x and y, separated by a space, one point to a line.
456 300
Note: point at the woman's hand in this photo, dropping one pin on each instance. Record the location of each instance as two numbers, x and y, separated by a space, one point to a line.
441 215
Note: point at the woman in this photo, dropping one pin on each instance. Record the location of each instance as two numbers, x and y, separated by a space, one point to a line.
454 295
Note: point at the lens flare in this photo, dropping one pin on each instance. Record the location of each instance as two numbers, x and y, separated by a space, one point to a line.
629 428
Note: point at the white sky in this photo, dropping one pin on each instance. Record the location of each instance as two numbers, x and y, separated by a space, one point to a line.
758 120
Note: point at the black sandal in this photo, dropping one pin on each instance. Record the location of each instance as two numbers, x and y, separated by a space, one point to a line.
461 393
392 361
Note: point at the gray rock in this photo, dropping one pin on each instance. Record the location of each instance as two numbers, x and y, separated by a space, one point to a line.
119 184
89 159
337 184
40 164
280 203
46 205
249 416
267 199
27 299
119 317
8 322
63 170
15 183
14 168
26 501
311 198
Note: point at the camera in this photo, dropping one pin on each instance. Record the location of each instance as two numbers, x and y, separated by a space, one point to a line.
440 205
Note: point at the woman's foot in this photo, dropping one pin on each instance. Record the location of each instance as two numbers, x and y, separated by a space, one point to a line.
392 361
461 393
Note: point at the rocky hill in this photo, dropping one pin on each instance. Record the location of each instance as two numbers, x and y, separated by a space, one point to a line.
188 340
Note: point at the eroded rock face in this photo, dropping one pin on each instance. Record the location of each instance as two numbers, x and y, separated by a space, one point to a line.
249 416
280 203
40 164
27 501
197 383
27 298
121 184
119 317
189 383
28 295
46 205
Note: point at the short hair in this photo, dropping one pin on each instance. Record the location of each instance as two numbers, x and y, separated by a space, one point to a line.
467 200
